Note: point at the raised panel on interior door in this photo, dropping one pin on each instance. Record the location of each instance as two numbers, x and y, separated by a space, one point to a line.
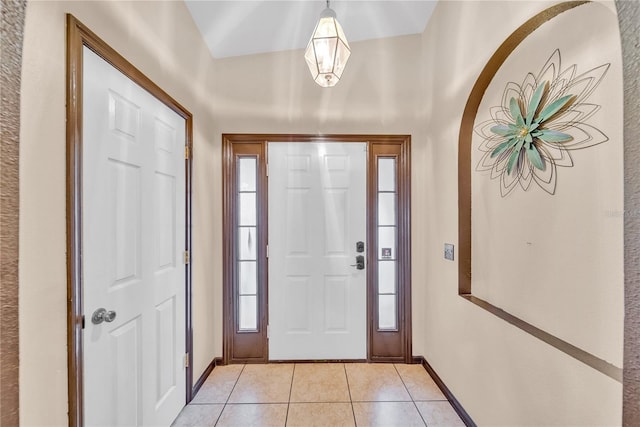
298 206
297 298
336 163
126 357
165 221
336 303
296 163
124 116
164 136
336 173
125 223
165 348
335 214
298 171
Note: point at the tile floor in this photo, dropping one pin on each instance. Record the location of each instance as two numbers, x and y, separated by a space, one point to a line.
319 394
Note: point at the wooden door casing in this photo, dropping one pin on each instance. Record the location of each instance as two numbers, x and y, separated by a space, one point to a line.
380 347
78 37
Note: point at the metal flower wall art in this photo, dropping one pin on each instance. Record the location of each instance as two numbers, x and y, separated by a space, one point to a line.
538 124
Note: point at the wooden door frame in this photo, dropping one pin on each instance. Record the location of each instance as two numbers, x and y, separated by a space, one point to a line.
403 153
79 36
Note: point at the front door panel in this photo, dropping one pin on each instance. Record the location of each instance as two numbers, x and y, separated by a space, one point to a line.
317 214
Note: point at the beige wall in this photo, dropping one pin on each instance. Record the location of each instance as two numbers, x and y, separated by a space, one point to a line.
161 40
531 254
501 375
414 85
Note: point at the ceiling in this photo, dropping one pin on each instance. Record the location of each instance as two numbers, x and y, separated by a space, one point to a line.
235 28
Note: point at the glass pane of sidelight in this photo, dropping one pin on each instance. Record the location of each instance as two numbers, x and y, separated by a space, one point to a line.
247 242
386 242
386 209
386 277
386 174
247 174
248 308
248 278
387 312
247 208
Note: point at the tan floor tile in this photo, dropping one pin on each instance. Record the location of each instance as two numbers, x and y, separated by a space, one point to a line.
217 388
198 416
247 415
420 385
319 382
439 414
375 383
387 414
320 415
269 383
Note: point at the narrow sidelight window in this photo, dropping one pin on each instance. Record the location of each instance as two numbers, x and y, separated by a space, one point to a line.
247 235
387 229
245 243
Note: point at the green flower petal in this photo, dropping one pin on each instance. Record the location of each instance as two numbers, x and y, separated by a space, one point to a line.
554 107
514 156
503 147
502 130
548 135
534 157
535 102
514 108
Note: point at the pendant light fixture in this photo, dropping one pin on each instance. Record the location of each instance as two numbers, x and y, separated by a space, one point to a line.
328 50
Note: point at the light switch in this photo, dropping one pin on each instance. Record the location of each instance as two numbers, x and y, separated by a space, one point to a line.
448 251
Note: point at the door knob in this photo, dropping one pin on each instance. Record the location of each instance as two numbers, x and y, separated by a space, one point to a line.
102 315
359 262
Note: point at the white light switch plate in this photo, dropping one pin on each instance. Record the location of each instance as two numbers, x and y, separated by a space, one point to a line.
448 251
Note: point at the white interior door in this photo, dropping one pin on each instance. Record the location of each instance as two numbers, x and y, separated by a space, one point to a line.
317 213
133 237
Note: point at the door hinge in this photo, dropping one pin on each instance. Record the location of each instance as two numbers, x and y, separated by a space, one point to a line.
82 322
268 331
187 257
267 251
187 152
267 169
186 360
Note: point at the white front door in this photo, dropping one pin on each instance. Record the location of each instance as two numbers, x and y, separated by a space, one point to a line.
317 214
133 237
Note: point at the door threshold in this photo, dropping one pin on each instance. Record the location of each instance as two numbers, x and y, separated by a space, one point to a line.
320 361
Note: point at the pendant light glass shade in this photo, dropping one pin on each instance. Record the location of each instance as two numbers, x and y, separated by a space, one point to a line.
328 50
